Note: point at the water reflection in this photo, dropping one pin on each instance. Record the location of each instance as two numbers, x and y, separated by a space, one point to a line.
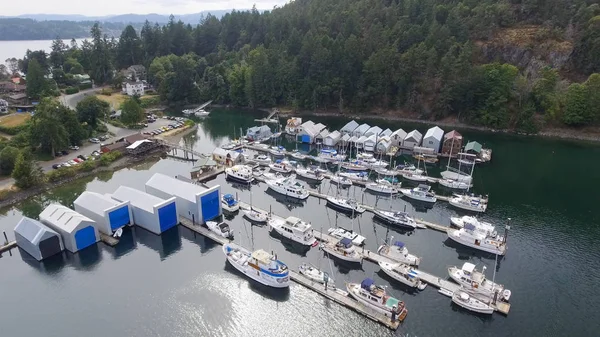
165 244
127 243
50 265
289 202
206 244
274 294
86 259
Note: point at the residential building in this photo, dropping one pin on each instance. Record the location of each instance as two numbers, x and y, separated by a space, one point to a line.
131 88
136 72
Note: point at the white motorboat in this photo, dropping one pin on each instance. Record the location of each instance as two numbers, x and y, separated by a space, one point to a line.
373 163
468 302
364 156
258 265
419 178
297 155
294 229
277 151
472 237
346 205
342 233
198 112
403 274
310 174
315 274
400 219
263 160
239 173
255 215
354 166
229 204
272 176
331 155
341 181
281 166
458 176
398 252
382 186
419 193
220 228
475 282
469 202
375 297
355 176
288 187
386 172
480 225
454 184
343 250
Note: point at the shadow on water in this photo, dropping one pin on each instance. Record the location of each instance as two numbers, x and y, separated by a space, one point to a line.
467 253
343 267
127 243
274 294
239 186
397 286
51 265
289 202
289 245
85 259
165 244
206 244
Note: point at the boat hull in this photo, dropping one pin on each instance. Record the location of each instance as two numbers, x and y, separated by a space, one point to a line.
408 193
393 255
257 217
453 235
454 202
388 269
393 221
290 236
239 179
385 311
256 275
482 308
355 258
281 191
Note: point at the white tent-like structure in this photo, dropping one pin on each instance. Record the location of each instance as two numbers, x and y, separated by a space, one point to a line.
77 231
37 239
107 213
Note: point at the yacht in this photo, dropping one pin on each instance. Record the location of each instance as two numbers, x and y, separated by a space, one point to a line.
281 166
357 176
375 297
403 274
258 265
342 233
294 229
399 219
341 181
343 250
229 204
277 151
469 202
470 236
310 174
382 186
314 274
373 163
419 193
480 225
220 228
398 252
331 155
386 172
297 155
419 178
288 187
256 216
354 166
475 282
456 176
455 184
346 205
239 173
468 302
263 160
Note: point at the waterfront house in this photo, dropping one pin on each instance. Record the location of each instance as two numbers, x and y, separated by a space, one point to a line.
397 137
370 142
141 146
373 131
136 72
433 138
384 144
412 139
349 128
107 213
226 157
293 125
360 130
386 132
149 212
194 202
76 230
131 88
257 133
452 143
333 138
473 148
37 239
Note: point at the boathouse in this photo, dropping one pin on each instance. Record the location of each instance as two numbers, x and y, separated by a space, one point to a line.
360 142
370 142
374 131
307 133
194 202
226 157
333 138
384 144
37 239
433 138
386 132
258 133
397 137
293 125
349 128
345 139
320 139
452 143
107 213
77 231
412 139
149 212
473 148
360 131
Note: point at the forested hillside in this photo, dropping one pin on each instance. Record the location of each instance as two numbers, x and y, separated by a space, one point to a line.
503 64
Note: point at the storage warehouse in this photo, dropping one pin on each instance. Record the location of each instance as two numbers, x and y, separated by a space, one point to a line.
433 139
194 202
108 213
37 239
76 230
149 212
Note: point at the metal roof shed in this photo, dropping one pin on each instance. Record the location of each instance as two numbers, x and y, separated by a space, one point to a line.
370 143
37 239
473 147
397 137
384 144
77 231
360 131
374 131
149 212
386 132
193 202
413 139
333 138
108 213
433 138
349 127
360 142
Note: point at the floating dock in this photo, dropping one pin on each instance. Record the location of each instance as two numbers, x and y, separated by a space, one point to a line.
109 240
8 246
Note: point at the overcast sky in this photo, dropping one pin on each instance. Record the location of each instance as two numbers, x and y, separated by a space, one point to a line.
108 7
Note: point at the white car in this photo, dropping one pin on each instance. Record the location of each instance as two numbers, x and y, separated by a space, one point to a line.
74 147
94 140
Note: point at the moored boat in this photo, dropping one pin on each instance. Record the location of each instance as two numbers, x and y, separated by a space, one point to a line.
258 265
294 229
229 204
281 167
346 205
310 174
297 155
468 302
256 216
239 173
470 236
473 281
419 193
403 274
469 202
288 187
263 160
354 166
454 184
382 186
355 176
460 222
220 228
398 252
315 274
375 297
277 151
341 181
342 233
343 250
400 219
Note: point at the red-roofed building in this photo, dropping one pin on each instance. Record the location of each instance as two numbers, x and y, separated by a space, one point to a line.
452 143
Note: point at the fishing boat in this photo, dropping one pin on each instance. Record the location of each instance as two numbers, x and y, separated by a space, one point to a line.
294 229
341 181
354 166
419 193
263 160
469 202
355 176
281 167
229 204
220 228
310 174
239 173
297 155
460 222
343 250
455 184
258 265
403 274
346 205
277 151
342 233
470 236
475 282
400 219
382 186
375 297
315 274
288 187
398 252
468 302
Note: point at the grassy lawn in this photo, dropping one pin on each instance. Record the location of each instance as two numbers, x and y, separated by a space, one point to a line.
14 119
116 99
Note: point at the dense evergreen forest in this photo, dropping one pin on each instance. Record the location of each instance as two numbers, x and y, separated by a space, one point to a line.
519 64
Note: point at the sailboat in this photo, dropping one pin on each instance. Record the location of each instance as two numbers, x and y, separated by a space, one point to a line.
394 218
469 202
255 215
314 273
468 302
382 186
417 175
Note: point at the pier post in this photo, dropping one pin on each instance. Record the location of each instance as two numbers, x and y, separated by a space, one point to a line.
5 238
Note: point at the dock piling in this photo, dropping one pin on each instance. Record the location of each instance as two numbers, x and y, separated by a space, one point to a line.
5 237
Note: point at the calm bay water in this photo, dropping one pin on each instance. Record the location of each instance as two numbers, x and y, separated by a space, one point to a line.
10 49
178 284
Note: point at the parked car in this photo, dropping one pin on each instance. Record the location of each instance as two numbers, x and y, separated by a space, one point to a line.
72 162
65 152
104 137
56 166
77 160
74 147
96 154
58 154
94 140
65 164
81 157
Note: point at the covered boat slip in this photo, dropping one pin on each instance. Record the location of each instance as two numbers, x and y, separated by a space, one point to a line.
37 239
194 202
108 214
149 212
77 231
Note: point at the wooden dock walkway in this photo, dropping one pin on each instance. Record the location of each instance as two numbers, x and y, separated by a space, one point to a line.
208 175
109 240
8 246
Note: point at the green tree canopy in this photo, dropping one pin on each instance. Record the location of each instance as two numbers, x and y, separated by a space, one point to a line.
26 173
129 48
36 83
8 157
47 127
131 112
90 109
